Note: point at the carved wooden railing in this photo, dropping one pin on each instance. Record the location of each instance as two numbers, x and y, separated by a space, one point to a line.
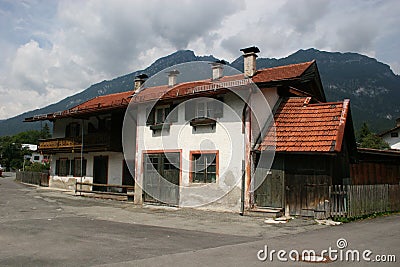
89 140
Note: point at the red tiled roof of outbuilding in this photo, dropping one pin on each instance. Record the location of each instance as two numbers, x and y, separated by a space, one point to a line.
303 127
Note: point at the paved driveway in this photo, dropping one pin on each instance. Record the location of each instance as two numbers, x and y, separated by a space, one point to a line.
44 227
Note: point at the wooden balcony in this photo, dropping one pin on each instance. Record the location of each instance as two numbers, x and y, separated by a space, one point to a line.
91 142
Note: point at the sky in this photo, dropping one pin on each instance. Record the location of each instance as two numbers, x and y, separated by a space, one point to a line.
51 49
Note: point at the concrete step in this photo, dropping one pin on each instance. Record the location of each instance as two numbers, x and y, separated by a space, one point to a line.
268 212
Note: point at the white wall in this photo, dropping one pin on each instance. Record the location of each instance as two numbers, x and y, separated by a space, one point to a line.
262 104
60 125
394 142
115 167
34 154
227 138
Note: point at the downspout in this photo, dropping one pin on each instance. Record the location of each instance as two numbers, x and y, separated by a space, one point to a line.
243 184
83 124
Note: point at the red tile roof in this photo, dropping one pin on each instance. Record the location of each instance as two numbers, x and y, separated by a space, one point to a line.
303 127
187 89
264 75
282 72
121 100
104 102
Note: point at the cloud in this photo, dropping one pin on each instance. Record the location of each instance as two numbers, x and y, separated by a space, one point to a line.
112 38
52 49
303 15
89 41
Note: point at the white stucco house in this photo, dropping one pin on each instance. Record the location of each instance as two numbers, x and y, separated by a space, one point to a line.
392 136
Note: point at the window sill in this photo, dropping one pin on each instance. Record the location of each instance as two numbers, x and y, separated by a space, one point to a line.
159 127
194 184
203 122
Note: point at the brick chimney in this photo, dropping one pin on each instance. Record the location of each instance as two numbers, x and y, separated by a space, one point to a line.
250 56
398 122
172 77
139 81
217 69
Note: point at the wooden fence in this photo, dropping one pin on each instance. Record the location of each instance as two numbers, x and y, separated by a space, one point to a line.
358 200
38 178
106 189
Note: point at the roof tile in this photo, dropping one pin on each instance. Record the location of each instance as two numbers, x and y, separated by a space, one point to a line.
306 128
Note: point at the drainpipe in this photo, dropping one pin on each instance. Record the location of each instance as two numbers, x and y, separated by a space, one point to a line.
83 124
243 185
243 189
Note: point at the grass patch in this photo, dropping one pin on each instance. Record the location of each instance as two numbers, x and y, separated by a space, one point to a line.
363 217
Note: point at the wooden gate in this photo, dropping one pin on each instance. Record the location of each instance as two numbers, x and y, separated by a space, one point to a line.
271 191
161 177
308 195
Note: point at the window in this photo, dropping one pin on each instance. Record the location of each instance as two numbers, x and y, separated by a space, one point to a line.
62 167
36 158
65 167
73 130
204 108
159 114
204 167
394 134
104 124
77 167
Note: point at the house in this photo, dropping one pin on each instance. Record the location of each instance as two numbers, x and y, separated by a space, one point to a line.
260 139
39 158
392 136
35 157
375 166
86 143
314 144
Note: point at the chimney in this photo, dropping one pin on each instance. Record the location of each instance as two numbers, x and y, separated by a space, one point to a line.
172 77
250 56
217 69
398 122
139 81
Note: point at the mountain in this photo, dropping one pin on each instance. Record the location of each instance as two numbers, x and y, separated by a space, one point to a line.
124 83
371 86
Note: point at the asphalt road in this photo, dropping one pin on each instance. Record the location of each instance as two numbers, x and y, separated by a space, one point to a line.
42 227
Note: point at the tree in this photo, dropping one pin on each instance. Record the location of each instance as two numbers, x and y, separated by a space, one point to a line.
364 132
367 139
45 132
11 151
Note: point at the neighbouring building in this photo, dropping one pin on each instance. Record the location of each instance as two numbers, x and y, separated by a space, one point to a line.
376 166
392 136
36 156
86 143
219 145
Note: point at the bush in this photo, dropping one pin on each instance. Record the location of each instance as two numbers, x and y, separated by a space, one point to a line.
38 167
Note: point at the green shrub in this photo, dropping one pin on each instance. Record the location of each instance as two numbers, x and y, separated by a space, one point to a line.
38 167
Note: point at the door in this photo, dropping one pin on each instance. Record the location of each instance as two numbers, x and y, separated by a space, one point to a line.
100 172
307 194
270 193
127 177
161 178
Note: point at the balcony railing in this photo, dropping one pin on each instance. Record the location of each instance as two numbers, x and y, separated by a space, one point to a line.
90 141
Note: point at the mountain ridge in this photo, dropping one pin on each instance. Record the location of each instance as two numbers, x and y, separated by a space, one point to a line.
371 85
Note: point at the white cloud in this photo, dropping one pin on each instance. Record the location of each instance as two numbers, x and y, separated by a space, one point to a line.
56 48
